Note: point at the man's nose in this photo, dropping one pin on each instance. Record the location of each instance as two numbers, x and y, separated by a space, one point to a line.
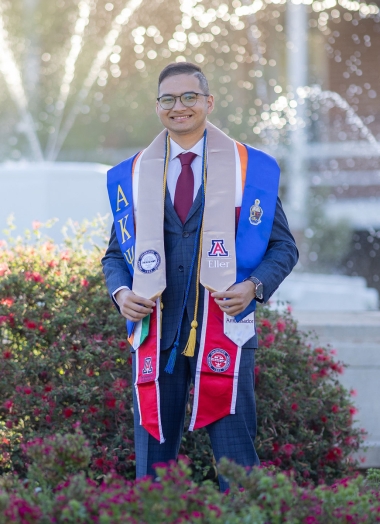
178 104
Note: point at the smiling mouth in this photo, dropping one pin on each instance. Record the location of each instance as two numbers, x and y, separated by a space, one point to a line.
181 118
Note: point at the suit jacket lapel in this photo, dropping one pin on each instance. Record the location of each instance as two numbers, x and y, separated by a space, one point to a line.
196 205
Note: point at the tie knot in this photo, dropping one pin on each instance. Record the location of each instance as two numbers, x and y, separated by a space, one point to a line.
187 158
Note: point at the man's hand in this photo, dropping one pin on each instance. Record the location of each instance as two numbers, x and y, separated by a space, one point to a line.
133 307
238 295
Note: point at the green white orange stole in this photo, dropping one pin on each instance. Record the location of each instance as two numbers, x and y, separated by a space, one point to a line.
226 256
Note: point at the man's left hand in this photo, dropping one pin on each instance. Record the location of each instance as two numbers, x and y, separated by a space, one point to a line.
238 295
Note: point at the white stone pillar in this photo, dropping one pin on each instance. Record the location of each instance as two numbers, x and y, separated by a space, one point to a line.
297 73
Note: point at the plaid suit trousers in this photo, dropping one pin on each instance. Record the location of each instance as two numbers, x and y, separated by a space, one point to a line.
232 436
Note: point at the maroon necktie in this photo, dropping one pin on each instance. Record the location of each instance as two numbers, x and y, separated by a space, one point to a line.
184 191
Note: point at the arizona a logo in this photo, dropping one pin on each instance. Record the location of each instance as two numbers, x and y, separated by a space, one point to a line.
147 369
217 249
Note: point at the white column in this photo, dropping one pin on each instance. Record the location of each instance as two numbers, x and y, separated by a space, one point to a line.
297 73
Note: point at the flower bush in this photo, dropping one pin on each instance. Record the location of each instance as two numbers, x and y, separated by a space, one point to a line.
64 360
50 495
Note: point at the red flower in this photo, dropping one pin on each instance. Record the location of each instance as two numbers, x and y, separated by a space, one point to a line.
319 351
334 454
294 406
120 384
34 276
111 403
266 323
352 410
337 367
310 520
84 282
9 424
93 409
3 319
52 263
48 419
7 354
30 324
8 404
257 371
122 345
27 390
269 339
65 255
107 364
288 449
314 376
324 419
353 392
335 408
68 412
48 388
281 325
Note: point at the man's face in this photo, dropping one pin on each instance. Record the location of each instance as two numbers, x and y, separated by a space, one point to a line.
181 119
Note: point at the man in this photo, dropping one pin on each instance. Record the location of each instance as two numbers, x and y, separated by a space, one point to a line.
199 236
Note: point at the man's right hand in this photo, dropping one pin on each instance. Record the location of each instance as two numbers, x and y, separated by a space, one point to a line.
133 307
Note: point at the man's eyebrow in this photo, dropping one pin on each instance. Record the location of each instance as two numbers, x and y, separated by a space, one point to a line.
171 94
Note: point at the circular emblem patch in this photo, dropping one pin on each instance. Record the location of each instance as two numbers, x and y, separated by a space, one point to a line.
218 360
149 261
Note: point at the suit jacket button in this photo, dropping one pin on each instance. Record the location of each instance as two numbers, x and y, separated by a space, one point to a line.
185 234
180 268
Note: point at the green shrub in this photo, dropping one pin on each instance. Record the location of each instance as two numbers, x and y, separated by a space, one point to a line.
261 497
64 361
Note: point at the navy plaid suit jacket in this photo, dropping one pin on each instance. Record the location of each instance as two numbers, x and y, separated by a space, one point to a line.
280 258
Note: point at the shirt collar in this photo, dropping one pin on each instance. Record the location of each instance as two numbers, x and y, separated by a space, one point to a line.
176 149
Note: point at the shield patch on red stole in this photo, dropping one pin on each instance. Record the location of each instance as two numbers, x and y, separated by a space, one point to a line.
218 360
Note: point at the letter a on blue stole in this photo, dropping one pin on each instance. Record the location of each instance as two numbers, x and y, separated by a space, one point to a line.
119 185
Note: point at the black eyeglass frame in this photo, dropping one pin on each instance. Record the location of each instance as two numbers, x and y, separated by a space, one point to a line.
180 97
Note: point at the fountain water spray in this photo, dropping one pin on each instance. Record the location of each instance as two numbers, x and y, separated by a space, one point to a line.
13 80
117 25
353 119
84 8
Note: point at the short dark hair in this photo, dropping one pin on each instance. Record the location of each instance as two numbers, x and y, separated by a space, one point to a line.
184 68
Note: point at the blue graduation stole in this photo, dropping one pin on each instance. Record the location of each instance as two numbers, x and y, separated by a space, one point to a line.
255 222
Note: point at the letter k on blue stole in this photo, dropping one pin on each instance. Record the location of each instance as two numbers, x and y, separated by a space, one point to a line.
219 357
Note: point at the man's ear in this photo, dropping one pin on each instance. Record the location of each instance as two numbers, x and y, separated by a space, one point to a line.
210 104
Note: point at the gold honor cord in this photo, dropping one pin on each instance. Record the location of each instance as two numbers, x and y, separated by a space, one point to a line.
190 346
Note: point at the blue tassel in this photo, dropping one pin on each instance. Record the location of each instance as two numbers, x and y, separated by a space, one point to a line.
171 362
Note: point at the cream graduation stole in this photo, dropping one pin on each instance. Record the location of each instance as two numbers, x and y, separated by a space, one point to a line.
223 262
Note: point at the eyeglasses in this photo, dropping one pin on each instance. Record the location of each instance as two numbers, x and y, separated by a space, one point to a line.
187 99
